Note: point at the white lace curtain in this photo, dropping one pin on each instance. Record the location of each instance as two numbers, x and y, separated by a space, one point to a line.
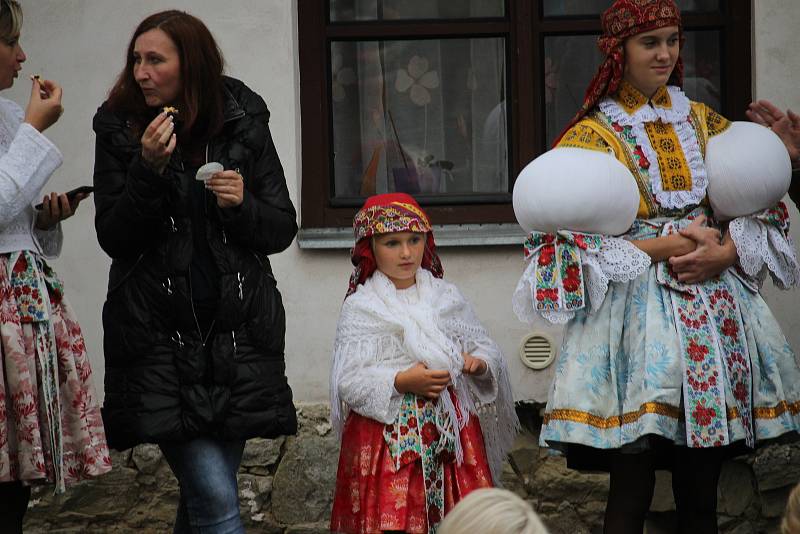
421 116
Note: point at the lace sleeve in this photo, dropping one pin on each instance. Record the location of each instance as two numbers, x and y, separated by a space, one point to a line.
50 241
618 260
614 260
24 169
764 245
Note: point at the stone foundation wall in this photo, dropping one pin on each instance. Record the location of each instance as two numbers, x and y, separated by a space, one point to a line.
286 487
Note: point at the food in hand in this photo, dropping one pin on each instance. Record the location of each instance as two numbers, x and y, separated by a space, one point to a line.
170 110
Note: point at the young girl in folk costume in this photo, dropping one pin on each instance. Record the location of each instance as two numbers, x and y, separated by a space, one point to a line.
683 364
413 371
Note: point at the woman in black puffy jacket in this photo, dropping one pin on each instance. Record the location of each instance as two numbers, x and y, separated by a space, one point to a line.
194 324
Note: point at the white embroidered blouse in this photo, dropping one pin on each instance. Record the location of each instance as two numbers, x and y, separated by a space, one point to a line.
27 160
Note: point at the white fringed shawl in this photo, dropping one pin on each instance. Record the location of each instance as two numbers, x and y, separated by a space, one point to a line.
382 331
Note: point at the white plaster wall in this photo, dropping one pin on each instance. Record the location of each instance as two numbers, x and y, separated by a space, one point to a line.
776 74
81 44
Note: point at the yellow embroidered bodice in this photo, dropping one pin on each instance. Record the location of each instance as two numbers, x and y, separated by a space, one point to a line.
598 132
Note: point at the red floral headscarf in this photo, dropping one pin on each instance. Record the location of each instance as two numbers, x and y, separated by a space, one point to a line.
624 19
385 214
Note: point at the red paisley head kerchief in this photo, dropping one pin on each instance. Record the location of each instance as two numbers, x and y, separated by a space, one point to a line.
385 214
624 19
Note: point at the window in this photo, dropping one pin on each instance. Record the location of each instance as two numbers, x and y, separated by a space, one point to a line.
449 99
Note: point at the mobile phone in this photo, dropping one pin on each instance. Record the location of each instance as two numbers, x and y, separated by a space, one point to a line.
71 194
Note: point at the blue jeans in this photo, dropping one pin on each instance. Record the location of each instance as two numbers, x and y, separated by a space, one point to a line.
206 472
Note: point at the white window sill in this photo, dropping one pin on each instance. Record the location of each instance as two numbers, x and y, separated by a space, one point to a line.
448 235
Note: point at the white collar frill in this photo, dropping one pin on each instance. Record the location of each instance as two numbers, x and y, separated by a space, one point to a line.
676 114
433 329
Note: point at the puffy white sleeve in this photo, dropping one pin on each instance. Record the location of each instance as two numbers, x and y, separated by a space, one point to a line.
764 245
25 167
365 362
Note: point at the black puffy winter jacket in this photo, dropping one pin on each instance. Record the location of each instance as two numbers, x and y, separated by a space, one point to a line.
160 385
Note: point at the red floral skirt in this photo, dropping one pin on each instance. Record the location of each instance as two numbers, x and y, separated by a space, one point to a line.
371 496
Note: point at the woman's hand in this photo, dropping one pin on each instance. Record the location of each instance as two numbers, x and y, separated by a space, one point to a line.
228 186
712 255
786 126
56 208
422 381
44 106
473 366
664 247
159 141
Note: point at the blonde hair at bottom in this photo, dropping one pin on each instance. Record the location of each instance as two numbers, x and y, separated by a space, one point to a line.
492 511
791 518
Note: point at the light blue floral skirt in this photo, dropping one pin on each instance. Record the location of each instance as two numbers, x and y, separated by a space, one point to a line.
702 366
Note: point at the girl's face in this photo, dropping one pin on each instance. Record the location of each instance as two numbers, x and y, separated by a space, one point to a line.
399 255
650 58
157 68
11 59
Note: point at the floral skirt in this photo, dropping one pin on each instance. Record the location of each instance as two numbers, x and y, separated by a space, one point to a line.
371 496
50 425
708 371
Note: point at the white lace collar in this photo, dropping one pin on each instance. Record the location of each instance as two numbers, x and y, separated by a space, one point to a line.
670 106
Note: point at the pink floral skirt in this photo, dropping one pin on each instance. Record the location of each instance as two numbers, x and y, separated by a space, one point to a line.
50 425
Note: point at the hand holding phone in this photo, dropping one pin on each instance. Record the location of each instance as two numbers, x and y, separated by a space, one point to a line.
71 194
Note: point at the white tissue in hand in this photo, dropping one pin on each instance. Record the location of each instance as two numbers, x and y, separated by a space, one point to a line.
576 189
748 168
208 170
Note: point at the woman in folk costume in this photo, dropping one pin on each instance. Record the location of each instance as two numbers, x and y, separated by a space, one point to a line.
419 392
51 431
680 363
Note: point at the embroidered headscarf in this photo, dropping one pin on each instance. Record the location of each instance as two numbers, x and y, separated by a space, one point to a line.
626 18
385 214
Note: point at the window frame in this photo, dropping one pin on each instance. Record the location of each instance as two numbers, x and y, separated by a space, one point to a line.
525 29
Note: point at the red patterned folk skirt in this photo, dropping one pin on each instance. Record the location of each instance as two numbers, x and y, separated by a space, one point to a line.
372 497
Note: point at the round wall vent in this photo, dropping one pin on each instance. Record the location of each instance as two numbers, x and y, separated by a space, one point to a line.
537 350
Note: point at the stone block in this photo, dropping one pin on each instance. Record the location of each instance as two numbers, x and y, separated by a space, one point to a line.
100 498
313 528
777 466
736 488
773 502
663 500
553 482
306 474
254 492
564 519
259 454
742 528
147 458
524 454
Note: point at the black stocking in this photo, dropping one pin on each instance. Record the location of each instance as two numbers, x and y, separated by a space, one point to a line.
13 504
694 484
632 482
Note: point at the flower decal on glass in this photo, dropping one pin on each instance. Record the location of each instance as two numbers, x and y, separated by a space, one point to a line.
340 77
418 80
550 80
